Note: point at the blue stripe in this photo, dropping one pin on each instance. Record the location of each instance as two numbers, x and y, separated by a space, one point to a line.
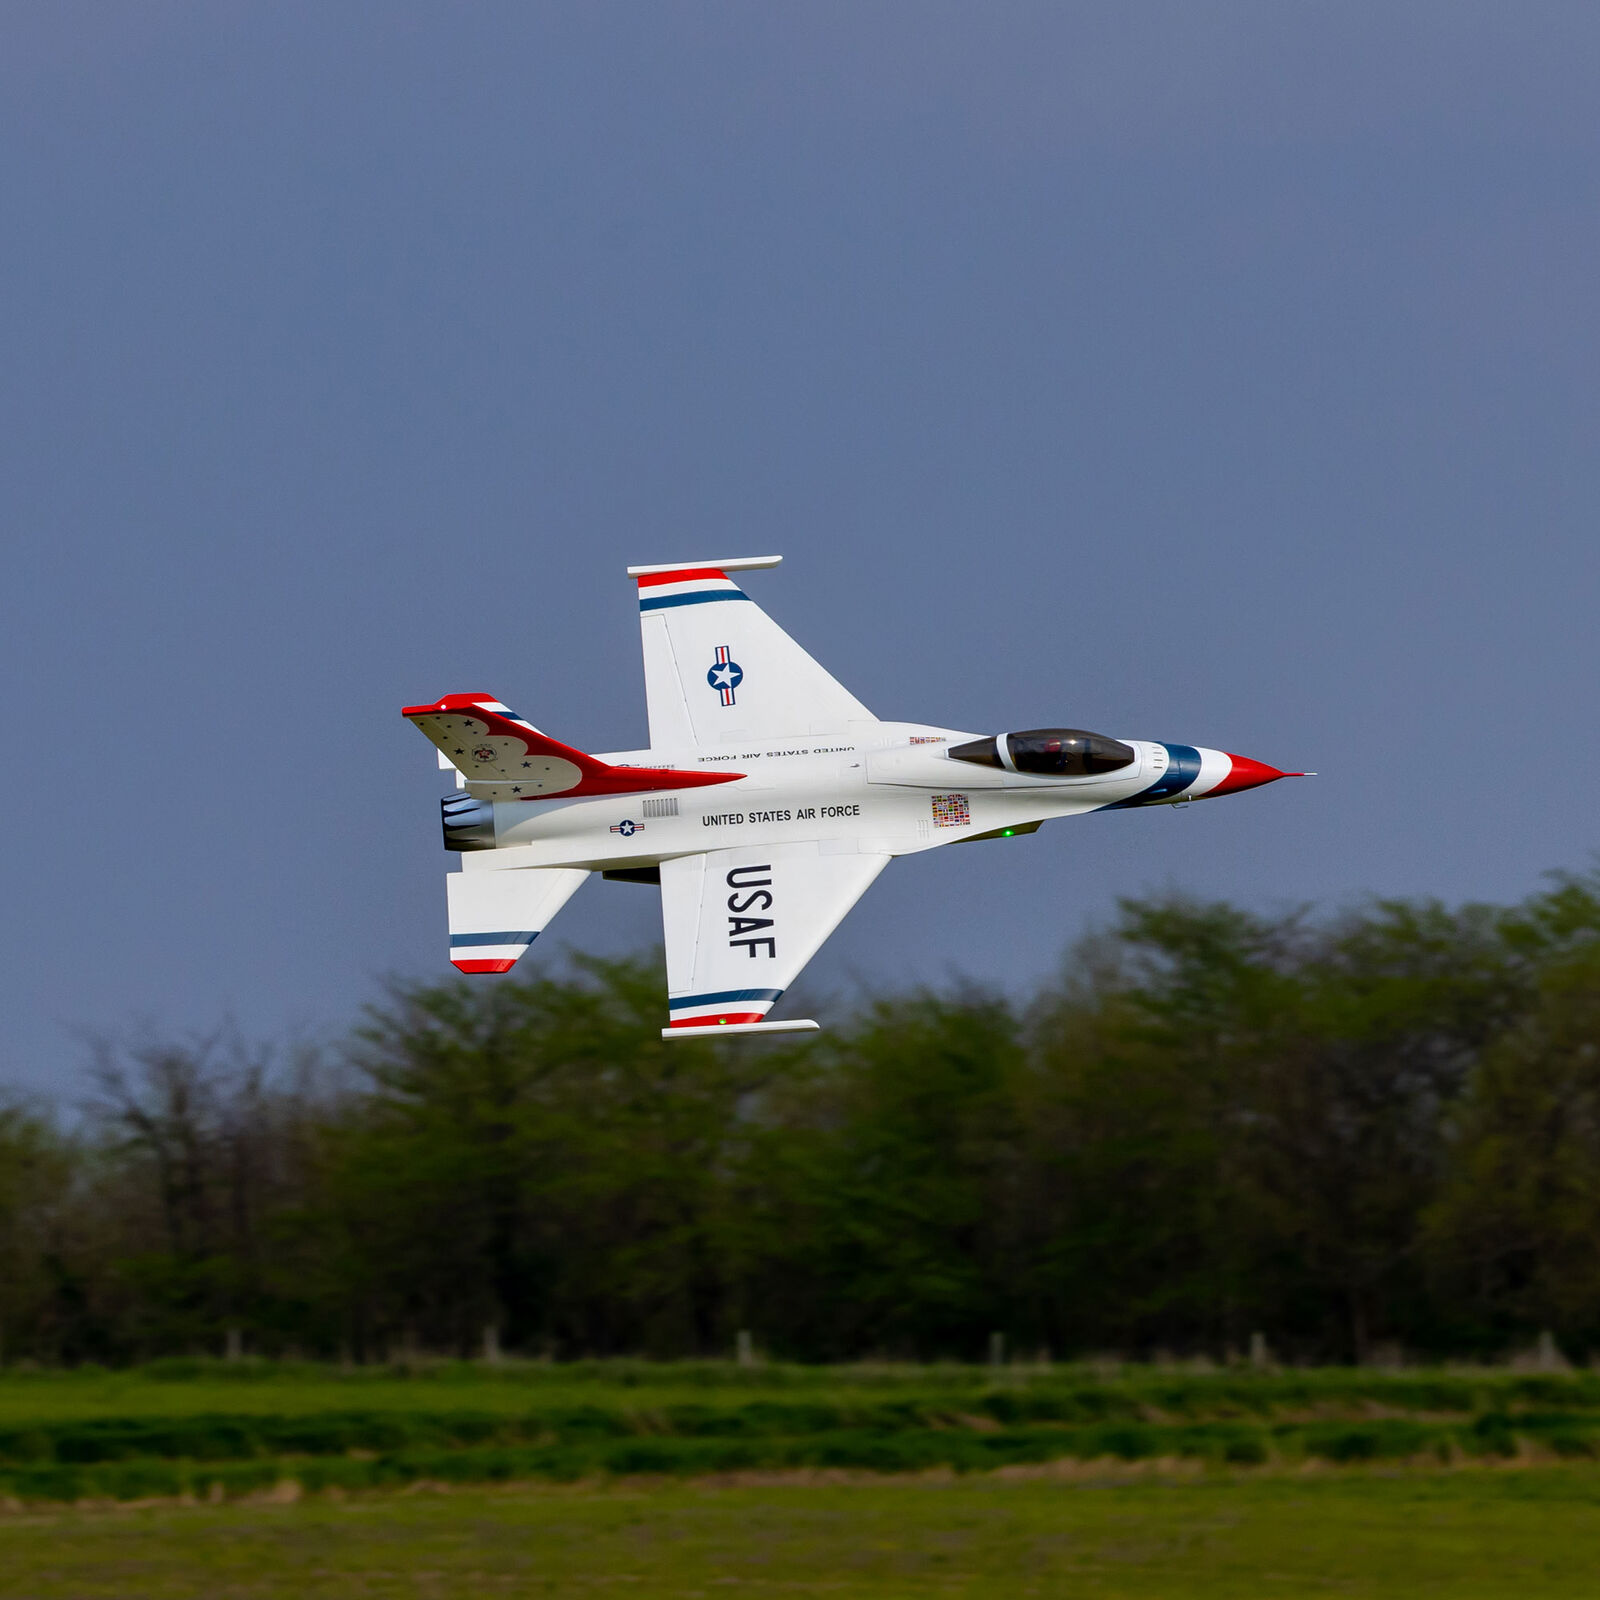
695 597
1183 767
722 997
491 938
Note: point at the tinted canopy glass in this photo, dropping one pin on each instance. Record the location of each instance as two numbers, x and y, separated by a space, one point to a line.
1066 752
1050 752
983 752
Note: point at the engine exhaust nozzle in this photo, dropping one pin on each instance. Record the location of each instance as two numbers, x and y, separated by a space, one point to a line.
468 822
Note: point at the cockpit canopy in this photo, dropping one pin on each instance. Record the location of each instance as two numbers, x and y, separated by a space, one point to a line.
1050 752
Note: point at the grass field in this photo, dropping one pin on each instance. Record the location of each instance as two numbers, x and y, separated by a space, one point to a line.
207 1430
1532 1534
625 1478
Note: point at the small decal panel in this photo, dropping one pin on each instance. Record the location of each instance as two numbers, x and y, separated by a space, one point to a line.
952 811
725 675
627 827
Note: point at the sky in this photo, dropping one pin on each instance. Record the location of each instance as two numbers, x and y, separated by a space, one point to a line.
1223 374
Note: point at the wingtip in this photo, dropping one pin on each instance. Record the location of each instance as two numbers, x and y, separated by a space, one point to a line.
728 564
722 1029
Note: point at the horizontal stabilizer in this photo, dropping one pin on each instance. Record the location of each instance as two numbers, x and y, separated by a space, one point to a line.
496 915
799 1025
504 757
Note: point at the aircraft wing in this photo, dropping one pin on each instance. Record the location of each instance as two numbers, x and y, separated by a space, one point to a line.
719 670
741 923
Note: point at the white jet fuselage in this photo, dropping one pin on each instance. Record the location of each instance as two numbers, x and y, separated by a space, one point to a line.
871 790
769 800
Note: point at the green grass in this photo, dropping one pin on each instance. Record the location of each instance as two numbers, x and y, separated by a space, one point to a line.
164 1431
171 1389
653 1480
1471 1535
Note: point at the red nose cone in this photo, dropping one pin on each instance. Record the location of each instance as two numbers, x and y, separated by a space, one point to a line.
1248 774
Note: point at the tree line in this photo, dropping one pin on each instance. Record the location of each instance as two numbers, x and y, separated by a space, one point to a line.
1347 1133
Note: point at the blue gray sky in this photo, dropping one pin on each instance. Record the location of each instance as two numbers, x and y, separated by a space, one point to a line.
1221 373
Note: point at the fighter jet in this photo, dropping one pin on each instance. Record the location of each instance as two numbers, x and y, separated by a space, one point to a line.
769 800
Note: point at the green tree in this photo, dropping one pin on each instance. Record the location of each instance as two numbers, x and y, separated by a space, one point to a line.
532 1155
885 1205
37 1172
1145 1057
1515 1231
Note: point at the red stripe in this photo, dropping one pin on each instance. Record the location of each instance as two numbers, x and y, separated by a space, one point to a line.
649 580
451 702
485 966
719 1017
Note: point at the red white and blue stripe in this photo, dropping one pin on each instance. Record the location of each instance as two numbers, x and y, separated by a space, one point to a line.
489 952
723 1007
686 586
1192 772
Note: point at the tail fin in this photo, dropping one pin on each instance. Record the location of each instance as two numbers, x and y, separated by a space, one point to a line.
504 757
